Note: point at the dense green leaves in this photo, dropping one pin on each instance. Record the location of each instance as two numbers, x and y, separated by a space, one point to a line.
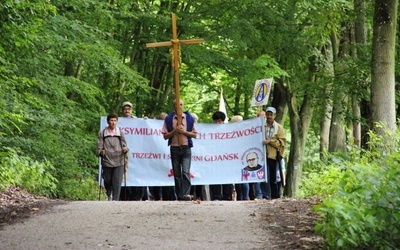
360 197
63 64
35 177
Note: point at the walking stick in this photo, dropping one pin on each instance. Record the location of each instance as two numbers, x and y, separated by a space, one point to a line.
101 178
125 168
279 158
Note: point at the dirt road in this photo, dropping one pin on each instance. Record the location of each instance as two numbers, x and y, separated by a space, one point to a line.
141 225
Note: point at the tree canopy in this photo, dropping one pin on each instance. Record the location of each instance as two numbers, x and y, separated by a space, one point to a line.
63 64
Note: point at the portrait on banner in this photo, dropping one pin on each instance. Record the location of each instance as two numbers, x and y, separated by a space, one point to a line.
254 169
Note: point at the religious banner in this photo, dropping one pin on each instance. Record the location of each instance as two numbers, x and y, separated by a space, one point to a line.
261 91
222 153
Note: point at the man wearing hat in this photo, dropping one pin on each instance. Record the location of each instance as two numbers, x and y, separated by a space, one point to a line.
275 140
130 193
127 109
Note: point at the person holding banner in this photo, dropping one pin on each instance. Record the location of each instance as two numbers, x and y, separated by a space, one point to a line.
127 110
218 191
275 140
112 148
179 138
167 192
130 193
196 191
260 190
242 190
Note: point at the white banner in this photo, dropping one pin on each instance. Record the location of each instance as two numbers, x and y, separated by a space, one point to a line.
261 91
221 153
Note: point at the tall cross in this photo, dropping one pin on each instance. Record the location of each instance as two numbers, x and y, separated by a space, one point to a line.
175 43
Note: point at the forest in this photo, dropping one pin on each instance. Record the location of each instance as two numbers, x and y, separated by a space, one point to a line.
64 64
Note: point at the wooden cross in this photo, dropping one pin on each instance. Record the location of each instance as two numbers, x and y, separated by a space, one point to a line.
175 43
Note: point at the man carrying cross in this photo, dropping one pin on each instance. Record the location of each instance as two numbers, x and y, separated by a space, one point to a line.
179 127
175 43
181 152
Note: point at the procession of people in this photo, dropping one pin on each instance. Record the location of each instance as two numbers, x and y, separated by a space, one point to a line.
180 133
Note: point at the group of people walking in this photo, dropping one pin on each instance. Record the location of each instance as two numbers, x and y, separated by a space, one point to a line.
179 129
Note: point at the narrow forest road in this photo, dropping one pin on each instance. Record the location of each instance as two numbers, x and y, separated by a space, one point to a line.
165 225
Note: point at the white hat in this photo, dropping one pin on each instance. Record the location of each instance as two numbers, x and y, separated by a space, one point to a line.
237 118
127 104
271 109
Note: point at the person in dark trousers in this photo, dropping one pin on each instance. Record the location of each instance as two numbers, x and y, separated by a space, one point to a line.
111 147
262 190
130 193
165 193
179 132
242 189
275 140
196 190
221 191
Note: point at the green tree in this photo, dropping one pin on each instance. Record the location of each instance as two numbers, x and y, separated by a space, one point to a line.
383 64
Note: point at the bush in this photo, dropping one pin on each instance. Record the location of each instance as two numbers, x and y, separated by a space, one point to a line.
78 185
22 171
320 181
363 211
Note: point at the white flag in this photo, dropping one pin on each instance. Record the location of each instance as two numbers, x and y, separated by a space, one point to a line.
221 107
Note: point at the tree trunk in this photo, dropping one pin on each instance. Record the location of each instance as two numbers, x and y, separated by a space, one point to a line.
383 65
300 119
69 68
238 92
337 133
79 69
356 124
325 124
280 102
360 26
296 155
247 106
397 77
360 36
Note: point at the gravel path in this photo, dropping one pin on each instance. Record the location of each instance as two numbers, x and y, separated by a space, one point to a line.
141 225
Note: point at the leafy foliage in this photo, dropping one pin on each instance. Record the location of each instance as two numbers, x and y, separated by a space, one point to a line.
63 64
47 115
362 210
22 171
